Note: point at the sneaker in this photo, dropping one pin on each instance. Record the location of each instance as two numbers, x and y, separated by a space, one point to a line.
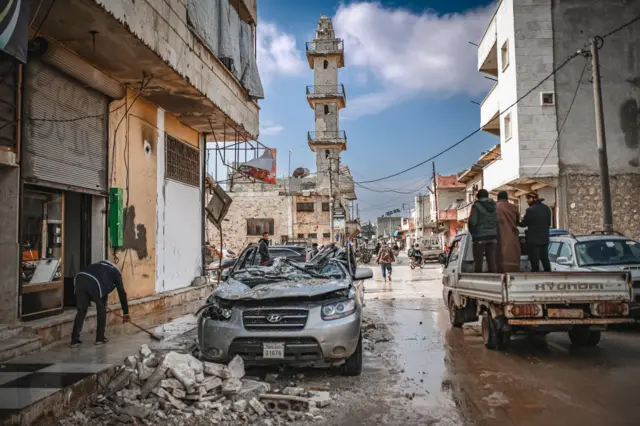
101 342
389 277
75 343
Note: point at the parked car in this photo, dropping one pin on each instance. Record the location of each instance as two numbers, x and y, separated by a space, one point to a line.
287 313
598 252
580 303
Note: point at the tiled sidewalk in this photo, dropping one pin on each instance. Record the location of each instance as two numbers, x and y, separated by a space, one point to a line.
27 380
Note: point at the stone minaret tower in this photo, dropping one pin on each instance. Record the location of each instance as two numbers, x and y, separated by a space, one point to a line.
326 97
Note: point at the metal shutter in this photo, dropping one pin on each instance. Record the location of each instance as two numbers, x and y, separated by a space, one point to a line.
62 145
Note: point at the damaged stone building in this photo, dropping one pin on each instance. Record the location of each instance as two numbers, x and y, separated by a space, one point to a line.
103 127
305 206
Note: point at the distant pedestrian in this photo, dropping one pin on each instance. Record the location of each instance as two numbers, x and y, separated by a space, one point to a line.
385 259
483 225
508 252
377 248
263 248
537 220
94 283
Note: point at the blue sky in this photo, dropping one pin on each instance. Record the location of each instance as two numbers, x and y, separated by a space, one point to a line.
409 75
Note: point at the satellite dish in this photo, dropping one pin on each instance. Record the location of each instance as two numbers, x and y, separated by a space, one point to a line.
301 172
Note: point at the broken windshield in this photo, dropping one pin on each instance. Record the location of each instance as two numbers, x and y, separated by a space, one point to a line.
284 269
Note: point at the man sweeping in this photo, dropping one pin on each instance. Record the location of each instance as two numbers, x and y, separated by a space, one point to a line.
94 283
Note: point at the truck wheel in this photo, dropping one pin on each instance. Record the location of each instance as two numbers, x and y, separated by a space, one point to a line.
455 314
490 335
582 336
353 364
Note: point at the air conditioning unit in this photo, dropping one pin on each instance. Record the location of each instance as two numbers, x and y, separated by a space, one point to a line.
547 98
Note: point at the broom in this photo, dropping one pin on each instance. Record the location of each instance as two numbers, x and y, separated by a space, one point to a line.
152 335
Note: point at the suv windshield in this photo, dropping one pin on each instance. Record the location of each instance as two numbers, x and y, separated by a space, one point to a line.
607 252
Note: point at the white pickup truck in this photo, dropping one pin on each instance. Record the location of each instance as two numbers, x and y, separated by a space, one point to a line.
580 303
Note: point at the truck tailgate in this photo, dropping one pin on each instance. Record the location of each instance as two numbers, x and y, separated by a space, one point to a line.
570 287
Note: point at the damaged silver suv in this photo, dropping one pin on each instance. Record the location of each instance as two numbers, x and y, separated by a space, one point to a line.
288 312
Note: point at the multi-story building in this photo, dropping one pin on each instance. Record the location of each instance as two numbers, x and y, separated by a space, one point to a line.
447 197
316 207
548 139
387 227
103 158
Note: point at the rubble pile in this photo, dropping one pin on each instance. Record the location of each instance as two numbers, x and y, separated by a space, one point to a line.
151 389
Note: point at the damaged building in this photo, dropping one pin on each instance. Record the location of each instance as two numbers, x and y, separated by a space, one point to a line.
310 207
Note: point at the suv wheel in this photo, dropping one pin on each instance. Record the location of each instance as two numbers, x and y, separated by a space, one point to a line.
353 364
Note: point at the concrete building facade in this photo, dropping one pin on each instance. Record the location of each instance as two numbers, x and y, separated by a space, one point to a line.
548 139
105 158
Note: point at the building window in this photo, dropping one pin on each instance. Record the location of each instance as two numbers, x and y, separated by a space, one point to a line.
313 235
300 235
183 162
325 64
257 227
507 127
325 207
547 99
326 235
326 109
504 55
304 207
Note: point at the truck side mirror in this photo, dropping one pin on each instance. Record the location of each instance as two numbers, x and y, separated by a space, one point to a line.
563 261
442 258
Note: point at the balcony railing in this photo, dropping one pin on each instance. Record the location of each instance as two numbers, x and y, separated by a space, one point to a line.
490 111
326 91
328 137
323 47
464 212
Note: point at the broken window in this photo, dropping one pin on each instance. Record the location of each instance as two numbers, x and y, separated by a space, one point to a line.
313 235
326 64
257 227
183 162
304 207
300 235
326 109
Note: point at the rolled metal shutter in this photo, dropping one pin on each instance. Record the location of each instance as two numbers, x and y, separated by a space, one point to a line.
65 130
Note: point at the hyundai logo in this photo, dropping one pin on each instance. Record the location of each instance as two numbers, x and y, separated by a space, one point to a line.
273 318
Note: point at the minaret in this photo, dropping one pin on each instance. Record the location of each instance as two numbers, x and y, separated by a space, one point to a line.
326 97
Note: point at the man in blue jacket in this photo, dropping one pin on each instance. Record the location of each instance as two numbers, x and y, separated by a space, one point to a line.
94 283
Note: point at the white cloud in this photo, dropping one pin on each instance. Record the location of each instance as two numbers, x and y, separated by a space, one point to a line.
277 53
269 128
415 55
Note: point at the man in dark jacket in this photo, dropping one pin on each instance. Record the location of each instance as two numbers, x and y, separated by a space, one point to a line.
537 220
483 225
263 248
94 283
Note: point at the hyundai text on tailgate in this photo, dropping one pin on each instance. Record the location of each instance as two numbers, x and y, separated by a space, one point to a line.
288 312
580 303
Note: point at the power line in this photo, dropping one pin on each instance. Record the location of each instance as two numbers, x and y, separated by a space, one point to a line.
564 121
570 58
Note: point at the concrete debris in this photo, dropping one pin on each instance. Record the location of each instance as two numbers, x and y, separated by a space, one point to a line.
171 387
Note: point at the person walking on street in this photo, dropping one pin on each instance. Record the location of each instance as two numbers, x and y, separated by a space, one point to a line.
508 251
483 225
263 248
385 259
94 283
537 220
377 248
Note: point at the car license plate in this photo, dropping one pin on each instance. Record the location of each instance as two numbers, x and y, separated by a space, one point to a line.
565 313
273 350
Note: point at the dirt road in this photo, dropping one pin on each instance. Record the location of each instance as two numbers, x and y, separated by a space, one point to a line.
420 371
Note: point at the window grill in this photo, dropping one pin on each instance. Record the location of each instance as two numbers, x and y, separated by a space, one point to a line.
183 162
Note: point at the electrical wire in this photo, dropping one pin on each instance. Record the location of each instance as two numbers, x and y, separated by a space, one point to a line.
564 121
621 27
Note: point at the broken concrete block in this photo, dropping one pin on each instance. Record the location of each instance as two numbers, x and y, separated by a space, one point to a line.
145 352
184 367
293 391
131 361
135 411
199 377
257 407
271 378
145 371
231 386
120 381
236 367
153 381
212 383
240 406
171 384
252 389
196 396
179 393
320 398
171 399
217 370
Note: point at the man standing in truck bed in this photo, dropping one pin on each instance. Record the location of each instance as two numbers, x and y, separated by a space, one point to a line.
483 226
537 220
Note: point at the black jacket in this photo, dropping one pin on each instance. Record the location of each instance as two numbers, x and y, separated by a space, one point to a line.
537 220
263 250
108 278
483 220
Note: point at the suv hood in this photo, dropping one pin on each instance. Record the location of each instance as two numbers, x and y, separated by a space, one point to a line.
233 289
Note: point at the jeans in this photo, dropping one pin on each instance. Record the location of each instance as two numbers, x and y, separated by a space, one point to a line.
385 267
480 250
86 291
539 253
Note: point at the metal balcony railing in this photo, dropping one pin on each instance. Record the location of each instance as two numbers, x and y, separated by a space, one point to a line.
326 91
330 137
325 46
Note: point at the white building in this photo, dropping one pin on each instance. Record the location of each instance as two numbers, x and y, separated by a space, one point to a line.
524 42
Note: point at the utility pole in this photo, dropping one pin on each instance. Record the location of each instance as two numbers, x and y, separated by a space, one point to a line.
435 195
605 188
